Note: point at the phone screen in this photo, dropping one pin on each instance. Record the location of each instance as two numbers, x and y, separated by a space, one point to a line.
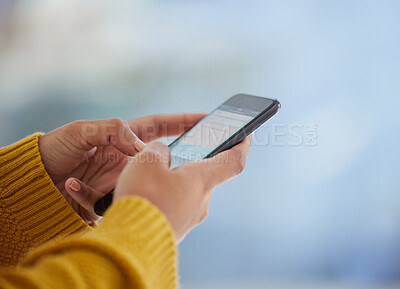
215 128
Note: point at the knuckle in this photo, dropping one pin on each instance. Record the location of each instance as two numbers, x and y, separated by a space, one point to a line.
77 127
118 121
240 162
76 124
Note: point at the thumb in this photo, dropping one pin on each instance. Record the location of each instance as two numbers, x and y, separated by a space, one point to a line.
84 195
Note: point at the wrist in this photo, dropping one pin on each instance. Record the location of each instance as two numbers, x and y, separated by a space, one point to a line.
45 150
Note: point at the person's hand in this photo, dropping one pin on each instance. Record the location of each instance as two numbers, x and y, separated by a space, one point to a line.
85 158
183 193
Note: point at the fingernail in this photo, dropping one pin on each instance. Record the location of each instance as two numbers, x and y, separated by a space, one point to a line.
139 145
75 186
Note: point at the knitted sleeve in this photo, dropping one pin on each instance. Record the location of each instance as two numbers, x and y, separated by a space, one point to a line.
32 210
133 247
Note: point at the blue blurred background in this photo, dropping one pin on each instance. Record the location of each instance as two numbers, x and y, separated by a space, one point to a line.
318 205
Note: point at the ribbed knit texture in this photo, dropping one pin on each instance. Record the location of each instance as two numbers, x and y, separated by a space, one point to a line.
133 247
32 210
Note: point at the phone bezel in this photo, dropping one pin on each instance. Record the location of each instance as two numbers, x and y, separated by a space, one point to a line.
246 130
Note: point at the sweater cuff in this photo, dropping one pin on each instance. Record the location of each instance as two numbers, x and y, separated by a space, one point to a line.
31 204
136 236
147 235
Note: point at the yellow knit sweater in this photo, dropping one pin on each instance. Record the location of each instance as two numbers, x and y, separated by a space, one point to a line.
133 247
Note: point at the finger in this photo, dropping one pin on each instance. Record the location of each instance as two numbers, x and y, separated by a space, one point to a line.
155 153
220 168
153 127
108 132
84 195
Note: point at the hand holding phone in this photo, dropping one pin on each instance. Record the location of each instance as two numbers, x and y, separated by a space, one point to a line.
224 127
183 194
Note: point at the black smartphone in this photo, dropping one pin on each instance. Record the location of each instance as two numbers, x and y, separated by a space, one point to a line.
224 127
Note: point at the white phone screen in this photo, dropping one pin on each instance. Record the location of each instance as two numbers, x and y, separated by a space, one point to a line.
209 133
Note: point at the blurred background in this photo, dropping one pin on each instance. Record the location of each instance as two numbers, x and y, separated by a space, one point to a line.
318 205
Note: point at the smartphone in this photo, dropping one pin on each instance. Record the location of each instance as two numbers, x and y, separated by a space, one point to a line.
224 127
